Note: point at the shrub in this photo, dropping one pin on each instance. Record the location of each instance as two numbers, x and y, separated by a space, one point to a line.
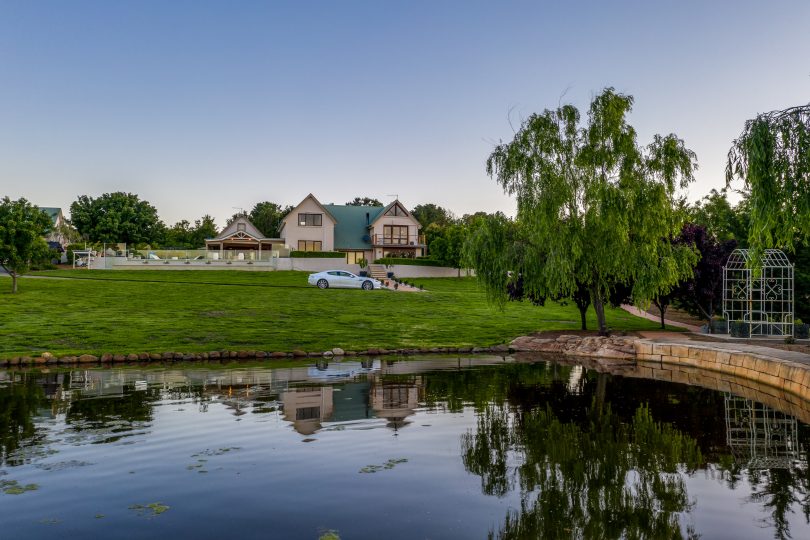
318 254
412 262
740 329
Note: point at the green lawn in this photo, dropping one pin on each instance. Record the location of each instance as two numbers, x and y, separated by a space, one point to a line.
193 311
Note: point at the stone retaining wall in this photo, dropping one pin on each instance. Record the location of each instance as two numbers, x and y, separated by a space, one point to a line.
770 370
776 398
783 374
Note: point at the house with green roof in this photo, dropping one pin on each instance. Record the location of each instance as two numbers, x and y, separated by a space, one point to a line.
57 222
362 232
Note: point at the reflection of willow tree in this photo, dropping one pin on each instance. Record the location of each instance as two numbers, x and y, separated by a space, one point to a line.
601 479
107 413
777 489
490 384
18 405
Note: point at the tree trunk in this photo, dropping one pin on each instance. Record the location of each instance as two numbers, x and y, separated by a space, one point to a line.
582 299
599 307
601 390
13 282
583 311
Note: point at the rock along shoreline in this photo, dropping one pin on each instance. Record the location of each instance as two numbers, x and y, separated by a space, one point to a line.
47 358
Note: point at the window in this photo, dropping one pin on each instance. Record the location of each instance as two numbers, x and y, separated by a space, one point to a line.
310 245
396 210
310 220
395 234
307 413
240 227
353 257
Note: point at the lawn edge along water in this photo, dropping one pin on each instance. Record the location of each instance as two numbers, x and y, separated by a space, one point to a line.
120 313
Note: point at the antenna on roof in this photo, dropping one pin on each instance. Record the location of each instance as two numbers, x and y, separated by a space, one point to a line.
394 195
241 210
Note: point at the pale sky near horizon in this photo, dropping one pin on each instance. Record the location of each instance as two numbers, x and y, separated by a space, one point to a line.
201 107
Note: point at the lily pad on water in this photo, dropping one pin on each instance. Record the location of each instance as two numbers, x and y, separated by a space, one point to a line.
12 487
216 452
329 535
156 508
390 464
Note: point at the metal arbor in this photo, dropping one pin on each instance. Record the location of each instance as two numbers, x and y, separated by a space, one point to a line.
765 302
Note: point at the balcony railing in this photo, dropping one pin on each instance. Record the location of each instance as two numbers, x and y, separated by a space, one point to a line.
386 240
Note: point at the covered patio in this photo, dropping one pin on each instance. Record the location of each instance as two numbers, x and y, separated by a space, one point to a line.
242 241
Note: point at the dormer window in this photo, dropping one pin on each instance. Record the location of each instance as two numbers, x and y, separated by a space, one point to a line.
310 220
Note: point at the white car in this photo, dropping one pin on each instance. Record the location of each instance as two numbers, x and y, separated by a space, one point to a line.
342 279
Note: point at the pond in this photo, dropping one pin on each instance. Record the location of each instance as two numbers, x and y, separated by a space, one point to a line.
419 448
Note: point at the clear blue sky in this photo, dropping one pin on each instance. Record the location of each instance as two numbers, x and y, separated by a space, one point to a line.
203 106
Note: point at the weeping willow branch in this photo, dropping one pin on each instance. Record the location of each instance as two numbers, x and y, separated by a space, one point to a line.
772 158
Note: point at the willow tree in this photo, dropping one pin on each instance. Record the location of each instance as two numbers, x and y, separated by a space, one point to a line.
599 207
772 158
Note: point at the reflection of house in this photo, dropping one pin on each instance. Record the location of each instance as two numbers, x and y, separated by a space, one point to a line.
241 240
760 437
368 232
395 400
307 406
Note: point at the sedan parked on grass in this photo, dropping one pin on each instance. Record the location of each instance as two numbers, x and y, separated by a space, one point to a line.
342 279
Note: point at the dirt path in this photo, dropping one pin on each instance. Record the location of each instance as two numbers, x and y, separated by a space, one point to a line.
639 313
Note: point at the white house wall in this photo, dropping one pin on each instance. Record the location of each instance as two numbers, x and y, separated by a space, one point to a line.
293 232
379 228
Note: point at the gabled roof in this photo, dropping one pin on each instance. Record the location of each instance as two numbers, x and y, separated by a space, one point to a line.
230 230
53 212
352 223
293 213
391 206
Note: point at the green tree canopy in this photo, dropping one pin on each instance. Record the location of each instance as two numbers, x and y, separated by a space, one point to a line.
267 216
116 217
183 235
595 208
364 201
772 158
22 237
722 220
428 214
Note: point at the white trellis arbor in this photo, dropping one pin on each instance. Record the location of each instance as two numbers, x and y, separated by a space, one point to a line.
765 301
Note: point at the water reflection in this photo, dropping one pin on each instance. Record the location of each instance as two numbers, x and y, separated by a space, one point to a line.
576 450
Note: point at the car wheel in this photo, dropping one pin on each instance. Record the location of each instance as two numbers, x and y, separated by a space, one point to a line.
367 285
323 284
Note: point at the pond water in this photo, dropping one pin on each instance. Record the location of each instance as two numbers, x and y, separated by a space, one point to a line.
423 448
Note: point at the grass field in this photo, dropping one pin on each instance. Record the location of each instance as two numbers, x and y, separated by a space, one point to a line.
193 311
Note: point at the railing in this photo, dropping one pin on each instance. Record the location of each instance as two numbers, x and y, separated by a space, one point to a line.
387 240
169 256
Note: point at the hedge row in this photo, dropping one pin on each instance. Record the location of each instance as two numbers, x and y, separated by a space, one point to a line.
318 254
410 262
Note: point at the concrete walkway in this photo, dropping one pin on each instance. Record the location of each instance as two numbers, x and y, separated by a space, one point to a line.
640 313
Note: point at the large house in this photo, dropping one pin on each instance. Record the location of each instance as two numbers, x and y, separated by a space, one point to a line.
362 232
57 222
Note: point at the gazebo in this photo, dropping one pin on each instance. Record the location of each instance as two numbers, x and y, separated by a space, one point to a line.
763 299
